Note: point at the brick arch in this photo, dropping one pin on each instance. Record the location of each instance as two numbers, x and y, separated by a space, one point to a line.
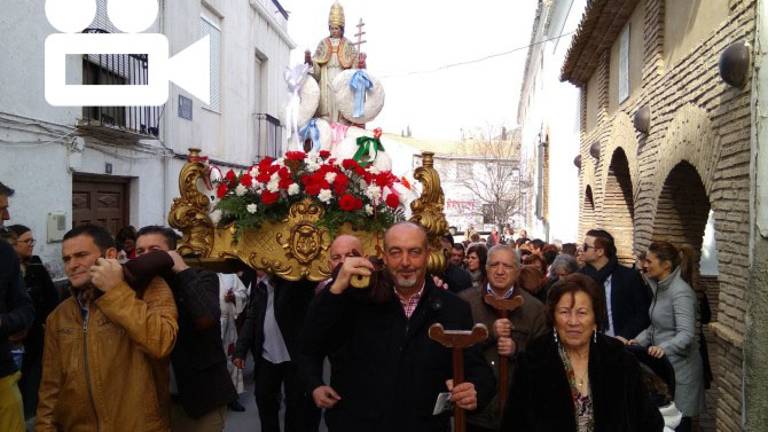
690 138
618 207
622 137
683 208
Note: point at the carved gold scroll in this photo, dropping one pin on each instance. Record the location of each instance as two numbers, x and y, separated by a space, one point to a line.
296 247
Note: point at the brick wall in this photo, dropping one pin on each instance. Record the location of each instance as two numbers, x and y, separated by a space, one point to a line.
695 157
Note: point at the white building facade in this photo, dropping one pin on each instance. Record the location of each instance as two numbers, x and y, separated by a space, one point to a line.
119 166
549 115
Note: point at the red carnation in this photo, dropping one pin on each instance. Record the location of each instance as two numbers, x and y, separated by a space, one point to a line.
324 154
295 156
283 173
284 183
231 177
312 187
350 164
392 201
265 163
222 190
268 197
263 176
385 179
246 180
377 133
340 183
348 202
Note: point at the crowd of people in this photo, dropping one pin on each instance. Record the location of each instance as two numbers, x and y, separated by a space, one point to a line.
140 341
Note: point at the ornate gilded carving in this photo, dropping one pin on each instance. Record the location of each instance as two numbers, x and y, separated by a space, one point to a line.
296 247
305 241
428 210
189 213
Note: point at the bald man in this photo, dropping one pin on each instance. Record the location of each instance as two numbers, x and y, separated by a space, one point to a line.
390 372
343 247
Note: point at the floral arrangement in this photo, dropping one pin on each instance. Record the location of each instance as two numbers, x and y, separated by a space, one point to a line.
350 191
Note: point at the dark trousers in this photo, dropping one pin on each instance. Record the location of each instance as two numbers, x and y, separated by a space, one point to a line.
31 374
686 425
301 415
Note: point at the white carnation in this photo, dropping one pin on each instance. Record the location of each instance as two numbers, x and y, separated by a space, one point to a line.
330 177
251 208
373 192
325 195
273 185
312 166
240 190
293 189
369 209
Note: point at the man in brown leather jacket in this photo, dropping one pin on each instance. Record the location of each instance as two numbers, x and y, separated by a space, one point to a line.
105 361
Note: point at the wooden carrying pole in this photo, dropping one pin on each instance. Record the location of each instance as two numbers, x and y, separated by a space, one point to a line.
503 307
457 340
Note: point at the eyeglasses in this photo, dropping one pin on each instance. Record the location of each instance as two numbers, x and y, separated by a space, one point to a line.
30 242
585 247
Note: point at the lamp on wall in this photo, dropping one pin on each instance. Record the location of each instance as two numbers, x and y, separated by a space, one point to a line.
642 120
734 64
594 150
577 161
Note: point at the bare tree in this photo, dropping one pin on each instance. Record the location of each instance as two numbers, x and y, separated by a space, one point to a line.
495 177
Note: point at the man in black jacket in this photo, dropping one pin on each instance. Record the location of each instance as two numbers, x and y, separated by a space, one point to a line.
203 386
456 277
627 297
16 315
271 330
391 373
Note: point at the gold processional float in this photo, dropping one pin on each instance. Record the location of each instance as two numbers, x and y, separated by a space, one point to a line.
295 247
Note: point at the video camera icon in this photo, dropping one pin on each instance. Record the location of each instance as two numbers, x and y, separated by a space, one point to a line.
189 69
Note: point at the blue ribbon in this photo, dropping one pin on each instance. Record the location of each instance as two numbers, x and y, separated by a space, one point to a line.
360 82
310 131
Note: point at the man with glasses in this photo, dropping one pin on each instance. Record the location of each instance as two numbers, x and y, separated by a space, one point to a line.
627 297
510 335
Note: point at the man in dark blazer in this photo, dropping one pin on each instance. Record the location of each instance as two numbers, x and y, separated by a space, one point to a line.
203 387
390 372
627 297
271 330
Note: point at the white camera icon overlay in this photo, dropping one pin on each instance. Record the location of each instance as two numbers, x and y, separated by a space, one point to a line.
189 69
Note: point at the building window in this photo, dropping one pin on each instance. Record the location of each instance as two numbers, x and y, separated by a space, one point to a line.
269 136
464 170
207 27
624 65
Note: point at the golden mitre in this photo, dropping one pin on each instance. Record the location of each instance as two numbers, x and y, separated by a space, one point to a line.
336 17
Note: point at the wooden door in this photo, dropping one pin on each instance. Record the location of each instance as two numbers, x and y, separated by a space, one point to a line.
100 201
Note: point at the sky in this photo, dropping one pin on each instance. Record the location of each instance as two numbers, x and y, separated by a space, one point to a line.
406 37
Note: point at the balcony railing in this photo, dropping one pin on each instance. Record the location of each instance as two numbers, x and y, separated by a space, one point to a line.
119 69
269 136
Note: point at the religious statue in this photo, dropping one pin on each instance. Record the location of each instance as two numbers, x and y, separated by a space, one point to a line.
333 55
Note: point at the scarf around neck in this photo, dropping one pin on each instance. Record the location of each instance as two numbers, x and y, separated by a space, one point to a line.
601 275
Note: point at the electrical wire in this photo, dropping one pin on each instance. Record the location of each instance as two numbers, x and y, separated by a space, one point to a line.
477 60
